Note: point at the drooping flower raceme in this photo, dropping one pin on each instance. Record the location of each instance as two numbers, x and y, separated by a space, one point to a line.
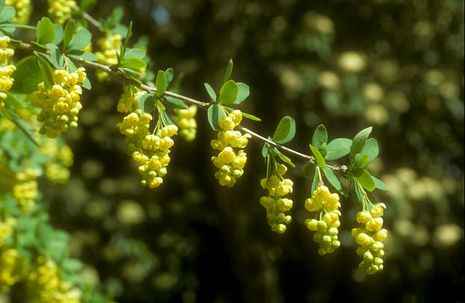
6 81
6 229
275 202
59 103
10 268
45 284
370 238
185 120
61 10
109 46
23 10
326 206
25 190
150 151
129 100
232 158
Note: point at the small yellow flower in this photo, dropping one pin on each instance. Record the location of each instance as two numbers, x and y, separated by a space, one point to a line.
326 205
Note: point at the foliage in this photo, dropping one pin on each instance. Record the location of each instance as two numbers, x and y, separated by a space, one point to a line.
355 89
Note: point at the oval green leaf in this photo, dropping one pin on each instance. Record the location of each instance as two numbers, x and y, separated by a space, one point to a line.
320 136
285 131
318 157
228 93
338 148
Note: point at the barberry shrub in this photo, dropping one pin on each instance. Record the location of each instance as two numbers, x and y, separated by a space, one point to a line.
40 99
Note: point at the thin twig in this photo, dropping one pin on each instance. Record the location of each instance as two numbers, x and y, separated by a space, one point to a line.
150 89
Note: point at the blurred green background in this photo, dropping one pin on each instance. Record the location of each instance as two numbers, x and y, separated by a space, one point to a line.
395 65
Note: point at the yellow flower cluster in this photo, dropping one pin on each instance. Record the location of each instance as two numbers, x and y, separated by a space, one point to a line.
326 205
185 120
230 163
10 268
6 229
56 170
370 238
149 151
46 285
129 100
60 103
25 189
23 10
61 10
6 81
109 46
275 203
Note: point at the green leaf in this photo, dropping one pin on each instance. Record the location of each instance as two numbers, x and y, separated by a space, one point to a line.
134 64
68 34
45 69
7 14
138 53
331 177
338 148
86 84
228 93
359 141
58 34
176 102
169 72
215 113
45 31
309 169
265 150
283 157
379 184
285 131
27 76
166 118
146 103
2 5
359 191
366 181
251 117
361 161
210 91
371 149
160 83
318 157
315 180
80 40
243 92
229 69
320 136
87 56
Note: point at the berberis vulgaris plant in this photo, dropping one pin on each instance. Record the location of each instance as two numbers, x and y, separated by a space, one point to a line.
40 99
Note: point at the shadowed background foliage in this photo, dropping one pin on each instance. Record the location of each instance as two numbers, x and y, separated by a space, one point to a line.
395 65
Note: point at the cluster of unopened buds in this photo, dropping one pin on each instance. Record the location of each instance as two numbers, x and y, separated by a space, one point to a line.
45 284
370 238
59 103
61 158
10 268
185 120
6 229
108 54
129 100
326 206
275 202
61 10
25 189
232 158
23 10
6 81
150 151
